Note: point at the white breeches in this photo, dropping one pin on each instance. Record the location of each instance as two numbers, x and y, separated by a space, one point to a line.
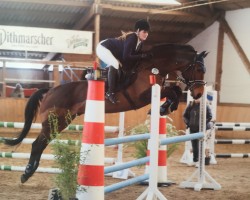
106 56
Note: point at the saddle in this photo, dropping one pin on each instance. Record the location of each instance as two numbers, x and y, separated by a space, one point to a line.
124 77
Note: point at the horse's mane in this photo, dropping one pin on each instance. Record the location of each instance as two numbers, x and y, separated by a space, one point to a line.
169 53
172 47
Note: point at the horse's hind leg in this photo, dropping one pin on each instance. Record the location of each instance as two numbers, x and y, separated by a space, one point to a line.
40 144
37 149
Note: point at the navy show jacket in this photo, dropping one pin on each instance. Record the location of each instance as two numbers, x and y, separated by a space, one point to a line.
124 50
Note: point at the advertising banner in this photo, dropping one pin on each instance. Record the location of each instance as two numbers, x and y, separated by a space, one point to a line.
45 40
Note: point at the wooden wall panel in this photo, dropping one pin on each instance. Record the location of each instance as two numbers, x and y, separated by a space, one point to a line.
88 59
12 110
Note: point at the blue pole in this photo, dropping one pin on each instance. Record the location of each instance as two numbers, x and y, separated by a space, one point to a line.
126 165
126 139
182 138
126 183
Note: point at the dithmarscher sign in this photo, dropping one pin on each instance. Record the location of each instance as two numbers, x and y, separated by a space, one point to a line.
45 40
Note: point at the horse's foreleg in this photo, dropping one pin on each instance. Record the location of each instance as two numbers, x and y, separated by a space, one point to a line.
37 149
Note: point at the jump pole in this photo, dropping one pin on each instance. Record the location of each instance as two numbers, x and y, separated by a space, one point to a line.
107 160
231 141
39 169
203 179
232 124
233 155
232 128
71 127
91 168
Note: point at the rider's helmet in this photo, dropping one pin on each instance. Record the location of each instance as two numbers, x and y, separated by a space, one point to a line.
142 24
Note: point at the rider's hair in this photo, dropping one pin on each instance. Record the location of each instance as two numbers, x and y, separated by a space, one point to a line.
124 35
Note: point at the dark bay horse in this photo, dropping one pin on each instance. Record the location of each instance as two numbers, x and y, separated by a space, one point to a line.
71 97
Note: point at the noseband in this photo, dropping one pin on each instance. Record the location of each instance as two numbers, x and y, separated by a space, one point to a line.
191 82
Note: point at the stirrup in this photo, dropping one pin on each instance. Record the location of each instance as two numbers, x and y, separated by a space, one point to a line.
111 97
90 74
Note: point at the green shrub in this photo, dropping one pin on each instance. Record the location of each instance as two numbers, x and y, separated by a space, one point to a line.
141 146
66 158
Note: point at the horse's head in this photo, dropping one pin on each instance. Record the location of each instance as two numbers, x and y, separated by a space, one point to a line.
169 58
193 75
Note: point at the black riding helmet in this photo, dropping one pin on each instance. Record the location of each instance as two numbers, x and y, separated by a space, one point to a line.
142 24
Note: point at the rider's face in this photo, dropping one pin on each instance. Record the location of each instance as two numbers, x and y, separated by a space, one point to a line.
142 35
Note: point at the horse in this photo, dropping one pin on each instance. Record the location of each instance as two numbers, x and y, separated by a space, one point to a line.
71 97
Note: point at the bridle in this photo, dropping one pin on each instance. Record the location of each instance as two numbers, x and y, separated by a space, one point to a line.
191 82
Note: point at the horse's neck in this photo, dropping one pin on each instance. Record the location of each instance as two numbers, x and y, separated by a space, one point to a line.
173 57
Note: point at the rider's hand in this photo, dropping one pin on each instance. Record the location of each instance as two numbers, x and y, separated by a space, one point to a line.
147 56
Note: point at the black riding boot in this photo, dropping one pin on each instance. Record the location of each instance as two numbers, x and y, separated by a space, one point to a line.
112 75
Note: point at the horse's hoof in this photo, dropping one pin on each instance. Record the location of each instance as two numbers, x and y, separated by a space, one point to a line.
24 178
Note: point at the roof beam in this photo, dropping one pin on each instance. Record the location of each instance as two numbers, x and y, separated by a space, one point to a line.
220 49
159 37
149 12
211 6
85 19
50 2
235 43
128 24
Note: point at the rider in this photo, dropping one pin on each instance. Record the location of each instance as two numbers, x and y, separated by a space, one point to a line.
123 51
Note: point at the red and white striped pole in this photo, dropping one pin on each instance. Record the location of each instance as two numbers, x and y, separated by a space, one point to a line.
162 154
91 169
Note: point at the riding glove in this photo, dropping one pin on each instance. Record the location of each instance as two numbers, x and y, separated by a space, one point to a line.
146 56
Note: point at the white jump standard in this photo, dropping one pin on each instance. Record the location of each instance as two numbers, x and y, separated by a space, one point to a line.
200 179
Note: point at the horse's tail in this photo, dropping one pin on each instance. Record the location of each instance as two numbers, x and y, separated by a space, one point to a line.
31 110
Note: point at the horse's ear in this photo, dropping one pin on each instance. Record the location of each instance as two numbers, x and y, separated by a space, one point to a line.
203 54
206 54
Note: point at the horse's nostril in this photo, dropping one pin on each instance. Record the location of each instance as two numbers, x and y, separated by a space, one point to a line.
197 96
